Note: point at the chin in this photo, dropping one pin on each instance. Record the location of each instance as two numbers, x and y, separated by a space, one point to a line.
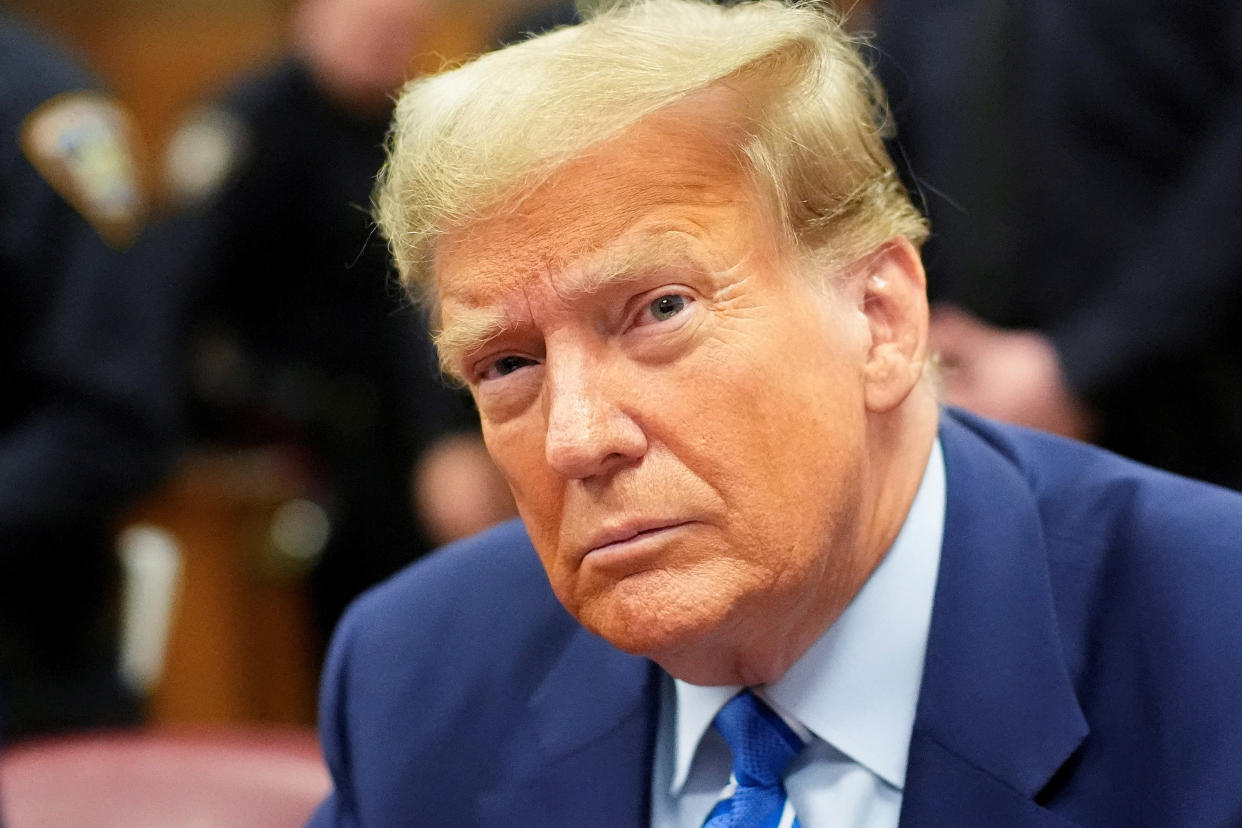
656 615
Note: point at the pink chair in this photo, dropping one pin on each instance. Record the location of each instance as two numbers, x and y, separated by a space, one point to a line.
239 778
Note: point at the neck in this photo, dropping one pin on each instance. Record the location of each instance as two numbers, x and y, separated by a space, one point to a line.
899 444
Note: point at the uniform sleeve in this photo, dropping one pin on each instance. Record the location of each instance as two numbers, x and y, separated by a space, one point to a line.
1178 292
1176 95
91 349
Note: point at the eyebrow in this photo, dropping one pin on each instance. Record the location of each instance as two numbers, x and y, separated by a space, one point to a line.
473 327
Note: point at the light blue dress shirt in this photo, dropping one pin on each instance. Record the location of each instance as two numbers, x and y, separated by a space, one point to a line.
853 695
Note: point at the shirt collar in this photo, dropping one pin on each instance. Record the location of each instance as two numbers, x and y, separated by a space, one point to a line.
857 686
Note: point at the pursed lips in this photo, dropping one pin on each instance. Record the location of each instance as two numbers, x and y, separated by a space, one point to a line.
630 531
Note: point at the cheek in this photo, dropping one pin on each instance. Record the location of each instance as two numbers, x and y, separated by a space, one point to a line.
517 448
779 435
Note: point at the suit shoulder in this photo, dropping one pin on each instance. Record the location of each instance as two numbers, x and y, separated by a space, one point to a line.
1144 569
1128 546
474 605
1098 497
468 574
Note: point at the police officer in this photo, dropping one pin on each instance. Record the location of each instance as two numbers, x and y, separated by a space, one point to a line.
86 416
301 338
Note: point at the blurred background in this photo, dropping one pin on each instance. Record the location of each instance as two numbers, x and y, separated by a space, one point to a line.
229 422
163 58
276 428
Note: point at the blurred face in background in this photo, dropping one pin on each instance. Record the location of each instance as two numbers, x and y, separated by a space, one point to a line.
361 50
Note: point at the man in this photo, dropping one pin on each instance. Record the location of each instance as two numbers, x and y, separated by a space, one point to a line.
667 254
86 422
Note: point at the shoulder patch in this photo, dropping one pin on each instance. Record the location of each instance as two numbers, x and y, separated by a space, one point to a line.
82 144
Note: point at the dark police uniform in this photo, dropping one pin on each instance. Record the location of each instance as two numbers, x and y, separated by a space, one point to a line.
302 337
85 417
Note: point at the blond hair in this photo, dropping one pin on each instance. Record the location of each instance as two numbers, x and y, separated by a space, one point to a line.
467 141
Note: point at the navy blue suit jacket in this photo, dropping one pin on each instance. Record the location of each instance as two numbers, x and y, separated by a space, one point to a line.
1084 666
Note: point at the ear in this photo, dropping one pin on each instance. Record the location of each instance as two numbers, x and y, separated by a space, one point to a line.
894 302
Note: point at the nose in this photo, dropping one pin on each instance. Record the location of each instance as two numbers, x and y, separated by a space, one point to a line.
589 433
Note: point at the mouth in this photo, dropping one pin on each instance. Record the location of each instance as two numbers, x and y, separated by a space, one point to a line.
630 535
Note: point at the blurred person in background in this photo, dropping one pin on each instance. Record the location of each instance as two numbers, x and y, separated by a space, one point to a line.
1081 164
86 423
300 339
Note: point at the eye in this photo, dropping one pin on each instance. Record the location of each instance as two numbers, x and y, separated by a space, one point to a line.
502 366
664 307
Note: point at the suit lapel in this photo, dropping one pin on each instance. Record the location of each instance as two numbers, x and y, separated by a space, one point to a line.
590 727
997 715
942 788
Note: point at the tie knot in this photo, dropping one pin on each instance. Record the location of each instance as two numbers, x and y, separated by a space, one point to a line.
761 743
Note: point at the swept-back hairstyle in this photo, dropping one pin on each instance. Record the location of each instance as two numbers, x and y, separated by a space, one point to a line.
466 142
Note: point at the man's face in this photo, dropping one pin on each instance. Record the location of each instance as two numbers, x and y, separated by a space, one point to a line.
680 416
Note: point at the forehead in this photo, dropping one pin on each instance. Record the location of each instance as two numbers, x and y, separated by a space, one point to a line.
668 175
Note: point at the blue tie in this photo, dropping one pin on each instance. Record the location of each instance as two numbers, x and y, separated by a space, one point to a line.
762 746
